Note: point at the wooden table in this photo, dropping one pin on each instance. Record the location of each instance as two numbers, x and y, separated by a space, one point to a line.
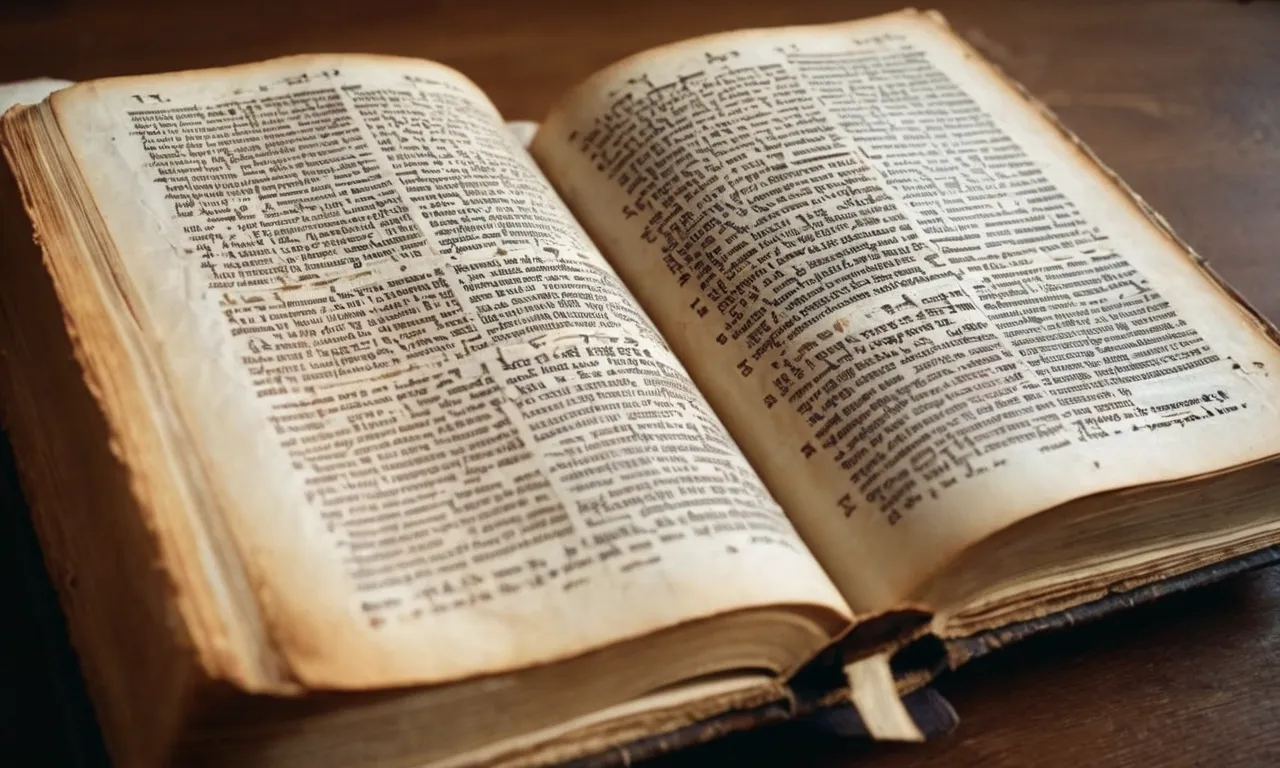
1182 98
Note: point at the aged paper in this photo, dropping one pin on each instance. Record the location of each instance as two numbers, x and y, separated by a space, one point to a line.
920 308
446 439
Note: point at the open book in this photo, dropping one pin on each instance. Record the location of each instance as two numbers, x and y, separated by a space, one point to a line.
357 434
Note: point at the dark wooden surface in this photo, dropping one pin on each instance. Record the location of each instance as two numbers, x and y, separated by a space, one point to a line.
1182 98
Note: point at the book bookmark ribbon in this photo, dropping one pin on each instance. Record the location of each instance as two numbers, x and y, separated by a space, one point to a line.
876 698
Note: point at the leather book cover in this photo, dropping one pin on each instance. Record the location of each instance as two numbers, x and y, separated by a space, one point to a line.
963 650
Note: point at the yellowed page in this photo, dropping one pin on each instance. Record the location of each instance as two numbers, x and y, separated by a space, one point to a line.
922 311
443 436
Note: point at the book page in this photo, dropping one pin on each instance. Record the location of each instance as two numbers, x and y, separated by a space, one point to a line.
523 131
444 436
28 91
919 307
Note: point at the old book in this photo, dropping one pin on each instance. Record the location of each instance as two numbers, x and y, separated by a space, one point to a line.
356 434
